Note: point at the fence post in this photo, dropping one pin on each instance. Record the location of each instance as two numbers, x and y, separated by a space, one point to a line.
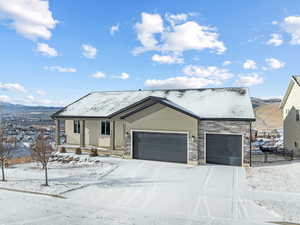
266 157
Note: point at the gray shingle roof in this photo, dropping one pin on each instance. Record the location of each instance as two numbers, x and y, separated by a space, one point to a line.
214 103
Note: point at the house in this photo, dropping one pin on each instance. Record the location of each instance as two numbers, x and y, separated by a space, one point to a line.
290 107
193 126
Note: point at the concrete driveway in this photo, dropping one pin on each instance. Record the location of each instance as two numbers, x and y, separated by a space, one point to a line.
145 193
168 193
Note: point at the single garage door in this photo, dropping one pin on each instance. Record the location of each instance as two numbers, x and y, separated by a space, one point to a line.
224 149
168 147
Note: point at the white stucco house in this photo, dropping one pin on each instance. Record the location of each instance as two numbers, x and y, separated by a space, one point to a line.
290 107
194 126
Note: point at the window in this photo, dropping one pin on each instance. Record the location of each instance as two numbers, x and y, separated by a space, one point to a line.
297 115
105 127
296 144
76 124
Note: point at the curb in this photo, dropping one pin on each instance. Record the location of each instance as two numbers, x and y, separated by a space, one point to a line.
33 192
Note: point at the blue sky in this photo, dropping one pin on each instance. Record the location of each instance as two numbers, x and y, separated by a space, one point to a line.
53 52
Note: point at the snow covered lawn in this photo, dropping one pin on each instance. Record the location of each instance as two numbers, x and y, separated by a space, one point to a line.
283 179
69 172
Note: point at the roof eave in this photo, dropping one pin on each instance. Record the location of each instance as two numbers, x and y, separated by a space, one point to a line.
229 119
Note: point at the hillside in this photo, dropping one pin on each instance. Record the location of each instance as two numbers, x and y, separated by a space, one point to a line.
268 114
16 108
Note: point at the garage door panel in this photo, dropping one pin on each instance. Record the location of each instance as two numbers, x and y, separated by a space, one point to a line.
170 147
224 149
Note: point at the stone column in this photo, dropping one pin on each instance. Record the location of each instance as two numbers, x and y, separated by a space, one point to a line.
112 135
82 133
57 123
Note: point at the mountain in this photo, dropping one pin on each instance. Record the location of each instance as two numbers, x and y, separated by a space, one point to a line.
16 108
268 114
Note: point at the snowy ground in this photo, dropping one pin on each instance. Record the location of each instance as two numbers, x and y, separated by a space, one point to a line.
138 192
64 175
282 181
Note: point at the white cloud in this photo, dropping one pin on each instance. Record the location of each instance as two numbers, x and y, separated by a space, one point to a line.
190 35
194 77
167 59
207 72
151 24
46 50
276 40
226 63
291 25
274 64
179 82
249 64
177 18
249 80
13 87
41 93
89 51
122 76
98 75
30 18
60 69
274 22
4 98
114 29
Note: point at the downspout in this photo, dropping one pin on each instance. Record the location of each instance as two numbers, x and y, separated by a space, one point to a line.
250 139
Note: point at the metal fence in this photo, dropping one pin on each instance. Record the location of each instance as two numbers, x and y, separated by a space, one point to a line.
271 155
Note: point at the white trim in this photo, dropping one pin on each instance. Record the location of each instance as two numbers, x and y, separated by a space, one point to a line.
161 131
240 134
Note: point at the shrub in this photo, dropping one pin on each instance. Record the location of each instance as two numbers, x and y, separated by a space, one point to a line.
78 151
94 152
62 150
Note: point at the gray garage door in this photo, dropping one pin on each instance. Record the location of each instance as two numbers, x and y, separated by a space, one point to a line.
224 149
169 147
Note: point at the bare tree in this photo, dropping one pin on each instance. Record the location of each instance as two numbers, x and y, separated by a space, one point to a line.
5 152
41 152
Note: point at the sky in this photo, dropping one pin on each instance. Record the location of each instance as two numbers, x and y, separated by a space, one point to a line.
54 52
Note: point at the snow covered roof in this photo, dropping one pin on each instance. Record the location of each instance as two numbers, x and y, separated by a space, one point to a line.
216 103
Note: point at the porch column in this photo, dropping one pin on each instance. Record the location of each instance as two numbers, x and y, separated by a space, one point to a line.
82 133
57 136
112 135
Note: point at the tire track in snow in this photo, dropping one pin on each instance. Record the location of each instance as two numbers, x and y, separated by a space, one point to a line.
201 197
150 194
242 200
135 194
238 209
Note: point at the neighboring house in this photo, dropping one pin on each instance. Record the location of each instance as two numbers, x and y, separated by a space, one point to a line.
194 126
290 107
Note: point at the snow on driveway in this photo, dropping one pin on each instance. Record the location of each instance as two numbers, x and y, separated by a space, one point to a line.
145 192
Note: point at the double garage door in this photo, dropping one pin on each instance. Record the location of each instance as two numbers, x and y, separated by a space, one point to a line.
169 147
172 147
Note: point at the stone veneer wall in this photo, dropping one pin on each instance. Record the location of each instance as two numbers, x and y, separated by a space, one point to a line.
218 126
127 146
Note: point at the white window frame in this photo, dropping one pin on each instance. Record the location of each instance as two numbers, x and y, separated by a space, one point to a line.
76 126
105 127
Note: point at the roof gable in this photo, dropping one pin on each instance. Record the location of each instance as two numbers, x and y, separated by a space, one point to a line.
295 80
220 103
